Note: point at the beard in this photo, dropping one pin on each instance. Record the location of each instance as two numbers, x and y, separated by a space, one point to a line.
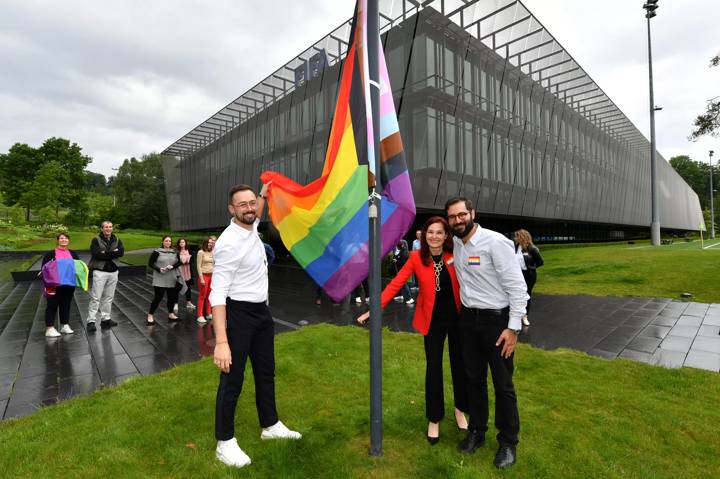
463 230
246 218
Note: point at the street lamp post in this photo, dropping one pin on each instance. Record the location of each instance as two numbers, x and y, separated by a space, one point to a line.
712 203
650 6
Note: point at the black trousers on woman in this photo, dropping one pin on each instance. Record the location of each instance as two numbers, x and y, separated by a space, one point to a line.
172 298
188 291
440 328
530 276
250 333
60 301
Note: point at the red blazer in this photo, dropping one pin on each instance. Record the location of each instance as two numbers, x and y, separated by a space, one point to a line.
426 282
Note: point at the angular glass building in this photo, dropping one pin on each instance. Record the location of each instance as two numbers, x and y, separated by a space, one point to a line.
490 106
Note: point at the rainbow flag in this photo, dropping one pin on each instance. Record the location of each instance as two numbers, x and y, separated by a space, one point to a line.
324 224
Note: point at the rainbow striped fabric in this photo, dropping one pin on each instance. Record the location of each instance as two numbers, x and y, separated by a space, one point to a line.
324 224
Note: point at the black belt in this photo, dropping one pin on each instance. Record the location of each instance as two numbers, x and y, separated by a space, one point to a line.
487 312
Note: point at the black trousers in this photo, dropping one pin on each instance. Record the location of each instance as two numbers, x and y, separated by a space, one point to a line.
251 333
172 298
530 276
188 291
61 300
434 391
479 333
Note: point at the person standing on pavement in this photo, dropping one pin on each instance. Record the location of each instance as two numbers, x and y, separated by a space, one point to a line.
243 325
105 249
529 259
185 271
164 262
62 296
205 265
493 296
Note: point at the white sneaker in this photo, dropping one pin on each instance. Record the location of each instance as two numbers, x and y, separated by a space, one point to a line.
398 298
190 306
279 431
51 332
175 309
410 301
358 300
201 320
230 453
526 321
66 329
209 317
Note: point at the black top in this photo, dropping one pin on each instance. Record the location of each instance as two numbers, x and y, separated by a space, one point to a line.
532 257
103 251
444 308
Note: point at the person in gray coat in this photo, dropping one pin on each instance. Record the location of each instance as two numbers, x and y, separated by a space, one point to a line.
164 262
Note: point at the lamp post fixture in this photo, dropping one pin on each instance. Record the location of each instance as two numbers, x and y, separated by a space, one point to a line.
712 203
650 6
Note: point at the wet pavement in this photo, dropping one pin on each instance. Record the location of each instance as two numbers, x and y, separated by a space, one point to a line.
36 371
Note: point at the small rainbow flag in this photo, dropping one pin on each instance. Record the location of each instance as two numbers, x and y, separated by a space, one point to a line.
324 224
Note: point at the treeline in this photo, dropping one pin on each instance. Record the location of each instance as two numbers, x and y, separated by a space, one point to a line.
52 184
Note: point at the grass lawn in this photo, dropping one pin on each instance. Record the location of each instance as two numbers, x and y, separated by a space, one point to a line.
581 417
633 270
27 239
8 266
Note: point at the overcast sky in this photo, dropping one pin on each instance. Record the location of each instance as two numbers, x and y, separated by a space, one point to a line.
130 77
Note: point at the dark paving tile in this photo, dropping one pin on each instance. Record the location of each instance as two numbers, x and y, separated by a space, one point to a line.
79 385
76 366
643 344
110 367
655 331
602 353
610 346
637 321
637 355
3 405
668 359
123 378
684 331
19 409
703 360
664 320
676 343
703 343
151 364
689 321
139 348
711 321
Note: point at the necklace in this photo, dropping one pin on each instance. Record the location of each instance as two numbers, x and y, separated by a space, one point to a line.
438 269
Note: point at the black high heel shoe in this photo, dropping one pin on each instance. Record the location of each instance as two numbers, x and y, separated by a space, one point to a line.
433 440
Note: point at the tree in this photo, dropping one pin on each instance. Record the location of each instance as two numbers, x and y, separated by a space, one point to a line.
95 182
73 162
46 189
17 171
709 122
139 189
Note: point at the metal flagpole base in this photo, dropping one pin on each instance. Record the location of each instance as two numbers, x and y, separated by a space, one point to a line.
655 233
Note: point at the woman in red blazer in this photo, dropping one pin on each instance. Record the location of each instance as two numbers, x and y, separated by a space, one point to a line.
436 316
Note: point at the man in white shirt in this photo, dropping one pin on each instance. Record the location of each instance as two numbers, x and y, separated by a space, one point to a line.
493 295
243 325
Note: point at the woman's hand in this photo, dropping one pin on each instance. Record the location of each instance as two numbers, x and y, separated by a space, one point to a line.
363 317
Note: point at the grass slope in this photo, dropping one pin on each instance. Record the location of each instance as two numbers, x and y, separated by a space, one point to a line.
581 417
632 270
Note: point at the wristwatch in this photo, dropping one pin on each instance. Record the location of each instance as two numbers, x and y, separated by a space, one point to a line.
516 331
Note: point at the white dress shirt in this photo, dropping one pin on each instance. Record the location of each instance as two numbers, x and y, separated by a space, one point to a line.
489 275
240 271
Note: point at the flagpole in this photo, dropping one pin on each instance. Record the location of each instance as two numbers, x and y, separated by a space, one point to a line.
373 45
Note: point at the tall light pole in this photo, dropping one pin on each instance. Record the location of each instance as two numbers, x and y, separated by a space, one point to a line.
712 203
650 7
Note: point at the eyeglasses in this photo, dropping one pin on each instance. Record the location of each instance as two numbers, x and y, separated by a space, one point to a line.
460 216
246 204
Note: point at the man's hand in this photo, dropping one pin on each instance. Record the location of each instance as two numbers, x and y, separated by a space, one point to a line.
222 357
507 338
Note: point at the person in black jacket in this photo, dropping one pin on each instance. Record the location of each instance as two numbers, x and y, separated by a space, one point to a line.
105 248
59 298
529 258
400 257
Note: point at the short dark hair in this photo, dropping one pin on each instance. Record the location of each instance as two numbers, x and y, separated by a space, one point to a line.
62 233
163 240
458 199
237 188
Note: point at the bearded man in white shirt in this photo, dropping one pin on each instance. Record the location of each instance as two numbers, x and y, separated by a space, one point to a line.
494 299
243 325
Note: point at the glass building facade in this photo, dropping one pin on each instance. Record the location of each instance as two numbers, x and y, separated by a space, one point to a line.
490 107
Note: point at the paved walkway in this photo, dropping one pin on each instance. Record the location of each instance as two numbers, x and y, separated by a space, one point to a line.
35 371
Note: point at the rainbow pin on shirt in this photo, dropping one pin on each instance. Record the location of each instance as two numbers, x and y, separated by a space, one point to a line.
474 260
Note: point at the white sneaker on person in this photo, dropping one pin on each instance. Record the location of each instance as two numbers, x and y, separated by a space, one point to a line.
190 306
209 317
66 329
410 301
279 431
229 452
201 320
51 332
398 298
526 321
358 300
175 309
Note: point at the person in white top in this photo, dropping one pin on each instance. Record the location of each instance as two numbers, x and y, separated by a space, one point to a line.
493 296
243 325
